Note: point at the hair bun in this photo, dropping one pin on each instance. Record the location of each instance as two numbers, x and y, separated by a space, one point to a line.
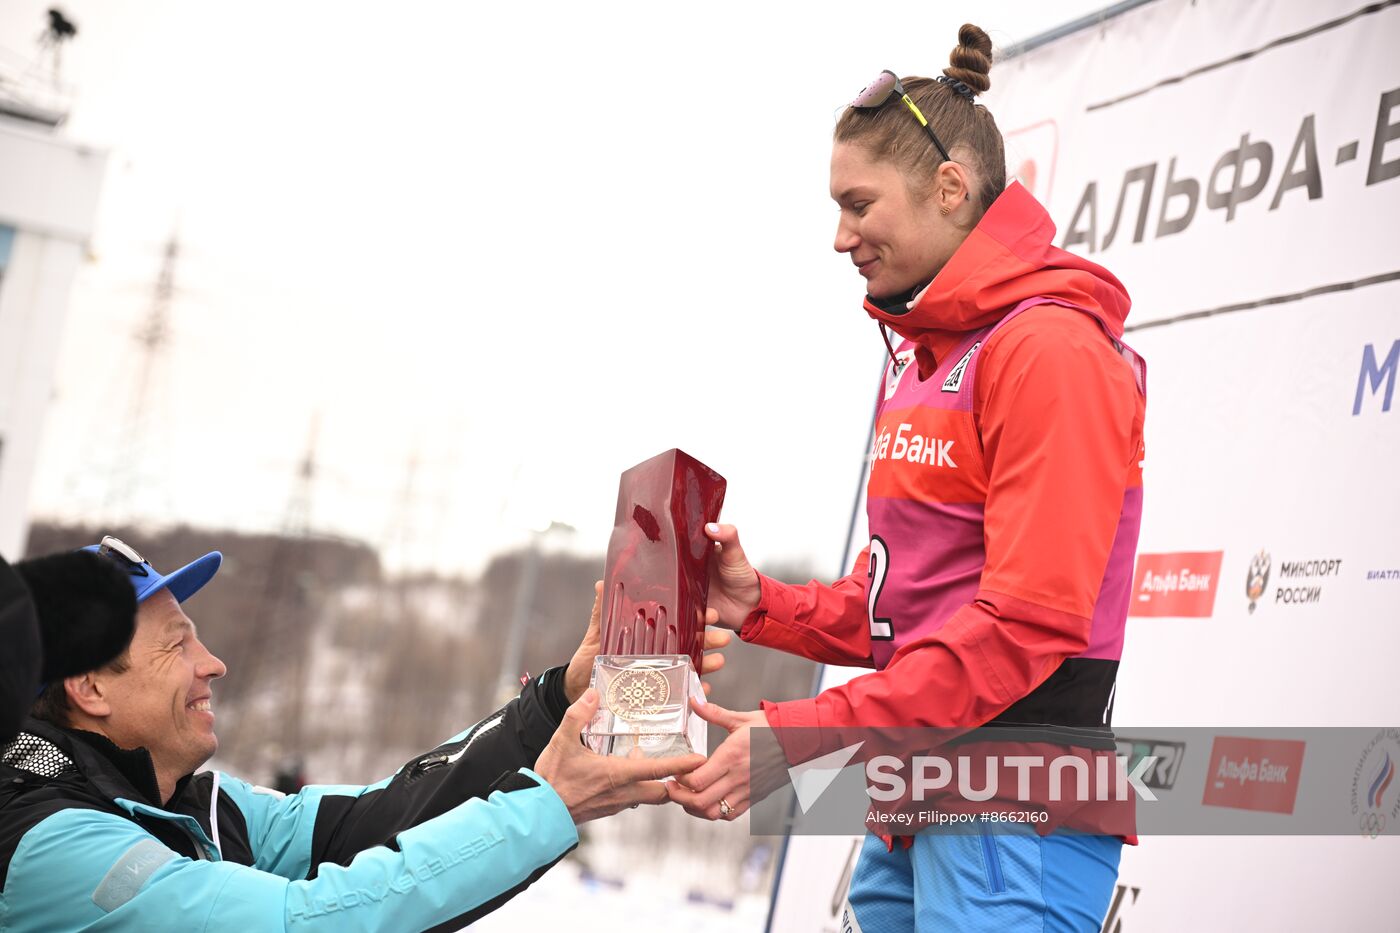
971 59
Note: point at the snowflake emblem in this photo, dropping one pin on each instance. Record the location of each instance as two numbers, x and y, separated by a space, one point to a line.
636 694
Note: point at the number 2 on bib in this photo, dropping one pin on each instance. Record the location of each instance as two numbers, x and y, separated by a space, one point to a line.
881 629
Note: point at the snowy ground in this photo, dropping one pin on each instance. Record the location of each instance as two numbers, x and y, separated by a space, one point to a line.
590 905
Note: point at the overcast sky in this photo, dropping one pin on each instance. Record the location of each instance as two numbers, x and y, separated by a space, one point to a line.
523 246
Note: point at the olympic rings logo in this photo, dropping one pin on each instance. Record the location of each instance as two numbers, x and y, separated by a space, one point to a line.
1372 823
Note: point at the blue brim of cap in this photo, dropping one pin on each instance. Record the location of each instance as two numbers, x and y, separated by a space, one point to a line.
186 581
182 584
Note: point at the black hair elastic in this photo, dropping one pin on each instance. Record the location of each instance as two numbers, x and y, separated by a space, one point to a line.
957 86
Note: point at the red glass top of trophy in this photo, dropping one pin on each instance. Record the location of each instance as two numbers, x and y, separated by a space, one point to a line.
657 580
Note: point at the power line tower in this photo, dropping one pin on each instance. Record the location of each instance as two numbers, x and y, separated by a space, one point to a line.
286 602
281 629
522 616
296 520
401 535
396 610
152 338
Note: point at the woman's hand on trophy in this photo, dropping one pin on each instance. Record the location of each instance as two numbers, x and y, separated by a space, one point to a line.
580 670
716 639
734 589
594 786
721 788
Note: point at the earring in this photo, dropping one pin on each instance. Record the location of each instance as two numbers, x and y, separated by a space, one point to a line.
944 211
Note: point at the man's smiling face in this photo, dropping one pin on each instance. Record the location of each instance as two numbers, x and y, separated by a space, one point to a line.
162 700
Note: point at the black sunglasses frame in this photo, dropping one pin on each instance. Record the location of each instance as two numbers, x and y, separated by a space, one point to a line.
898 88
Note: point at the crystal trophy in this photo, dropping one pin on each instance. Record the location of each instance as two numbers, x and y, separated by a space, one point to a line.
655 589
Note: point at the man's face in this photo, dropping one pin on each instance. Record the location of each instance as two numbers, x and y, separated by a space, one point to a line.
163 700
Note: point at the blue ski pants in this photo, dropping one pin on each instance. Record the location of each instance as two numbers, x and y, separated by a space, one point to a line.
1007 879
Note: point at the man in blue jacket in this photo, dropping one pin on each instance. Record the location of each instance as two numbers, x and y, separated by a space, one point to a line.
104 823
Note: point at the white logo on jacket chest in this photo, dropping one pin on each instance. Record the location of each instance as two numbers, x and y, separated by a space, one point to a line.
894 372
908 445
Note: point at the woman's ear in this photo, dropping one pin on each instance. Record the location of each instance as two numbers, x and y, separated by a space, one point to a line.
952 187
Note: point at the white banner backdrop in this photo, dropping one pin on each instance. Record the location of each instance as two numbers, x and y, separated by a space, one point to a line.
1237 165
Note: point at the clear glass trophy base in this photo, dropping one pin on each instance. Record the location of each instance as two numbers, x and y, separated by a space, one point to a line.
644 705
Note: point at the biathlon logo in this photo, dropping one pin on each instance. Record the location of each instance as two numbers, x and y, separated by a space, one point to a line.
1178 585
1375 801
1254 774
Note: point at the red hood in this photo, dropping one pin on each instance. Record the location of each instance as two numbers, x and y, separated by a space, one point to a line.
1008 257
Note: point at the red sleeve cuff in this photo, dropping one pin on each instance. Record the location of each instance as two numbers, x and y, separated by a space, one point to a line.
795 726
775 601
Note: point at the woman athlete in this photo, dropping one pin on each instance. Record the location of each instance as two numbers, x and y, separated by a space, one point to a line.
1004 500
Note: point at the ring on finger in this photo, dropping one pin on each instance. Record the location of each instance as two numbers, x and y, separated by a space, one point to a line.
724 808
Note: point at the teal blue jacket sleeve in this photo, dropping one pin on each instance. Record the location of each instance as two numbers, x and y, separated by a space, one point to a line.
296 835
281 827
83 869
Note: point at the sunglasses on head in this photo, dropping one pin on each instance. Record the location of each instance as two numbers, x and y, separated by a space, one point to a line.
878 93
125 555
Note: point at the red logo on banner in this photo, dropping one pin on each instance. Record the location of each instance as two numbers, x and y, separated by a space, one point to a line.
1180 585
1253 774
1031 153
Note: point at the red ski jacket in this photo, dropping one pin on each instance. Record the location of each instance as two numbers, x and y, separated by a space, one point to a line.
1004 502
